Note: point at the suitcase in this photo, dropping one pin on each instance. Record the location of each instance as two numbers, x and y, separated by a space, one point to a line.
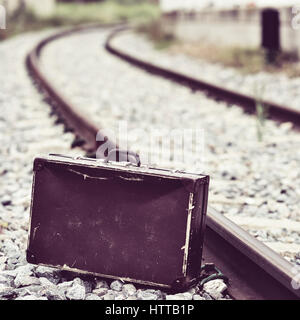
118 220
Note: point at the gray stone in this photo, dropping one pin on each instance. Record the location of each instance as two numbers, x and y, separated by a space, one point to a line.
3 279
28 290
92 296
187 295
25 280
64 286
128 289
7 280
197 297
134 297
88 286
53 293
31 297
6 291
45 282
2 261
120 296
77 291
9 273
175 297
215 288
110 295
25 270
180 296
101 284
100 292
116 285
206 296
6 200
146 295
48 273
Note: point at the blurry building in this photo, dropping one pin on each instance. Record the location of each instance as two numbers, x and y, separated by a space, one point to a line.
10 5
239 23
196 5
40 7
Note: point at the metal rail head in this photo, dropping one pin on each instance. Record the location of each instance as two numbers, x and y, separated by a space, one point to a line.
83 127
243 256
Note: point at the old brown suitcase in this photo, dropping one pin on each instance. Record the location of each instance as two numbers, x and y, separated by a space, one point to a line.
117 220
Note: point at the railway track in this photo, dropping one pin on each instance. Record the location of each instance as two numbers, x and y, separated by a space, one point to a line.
278 112
254 270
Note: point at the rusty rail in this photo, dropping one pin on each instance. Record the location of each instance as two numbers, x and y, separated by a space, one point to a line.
83 127
254 270
276 112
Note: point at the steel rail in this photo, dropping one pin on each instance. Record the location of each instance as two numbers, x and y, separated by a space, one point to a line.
83 127
255 271
275 111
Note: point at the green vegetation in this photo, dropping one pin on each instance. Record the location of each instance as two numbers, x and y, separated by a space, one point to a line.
69 14
154 30
107 11
261 112
261 115
248 61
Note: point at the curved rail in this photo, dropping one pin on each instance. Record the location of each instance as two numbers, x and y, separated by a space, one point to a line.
247 102
254 270
84 128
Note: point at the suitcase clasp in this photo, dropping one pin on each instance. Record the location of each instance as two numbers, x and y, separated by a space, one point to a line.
118 155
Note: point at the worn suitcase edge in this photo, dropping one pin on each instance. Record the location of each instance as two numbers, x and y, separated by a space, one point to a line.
120 166
96 274
28 256
189 276
193 238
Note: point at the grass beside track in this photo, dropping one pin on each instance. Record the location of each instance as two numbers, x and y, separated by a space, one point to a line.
72 14
246 60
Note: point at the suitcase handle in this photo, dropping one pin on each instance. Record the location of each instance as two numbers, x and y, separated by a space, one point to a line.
123 155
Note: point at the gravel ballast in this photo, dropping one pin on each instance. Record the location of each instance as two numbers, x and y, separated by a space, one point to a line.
254 183
274 87
27 130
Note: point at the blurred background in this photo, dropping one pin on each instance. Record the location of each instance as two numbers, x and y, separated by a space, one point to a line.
208 28
26 15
